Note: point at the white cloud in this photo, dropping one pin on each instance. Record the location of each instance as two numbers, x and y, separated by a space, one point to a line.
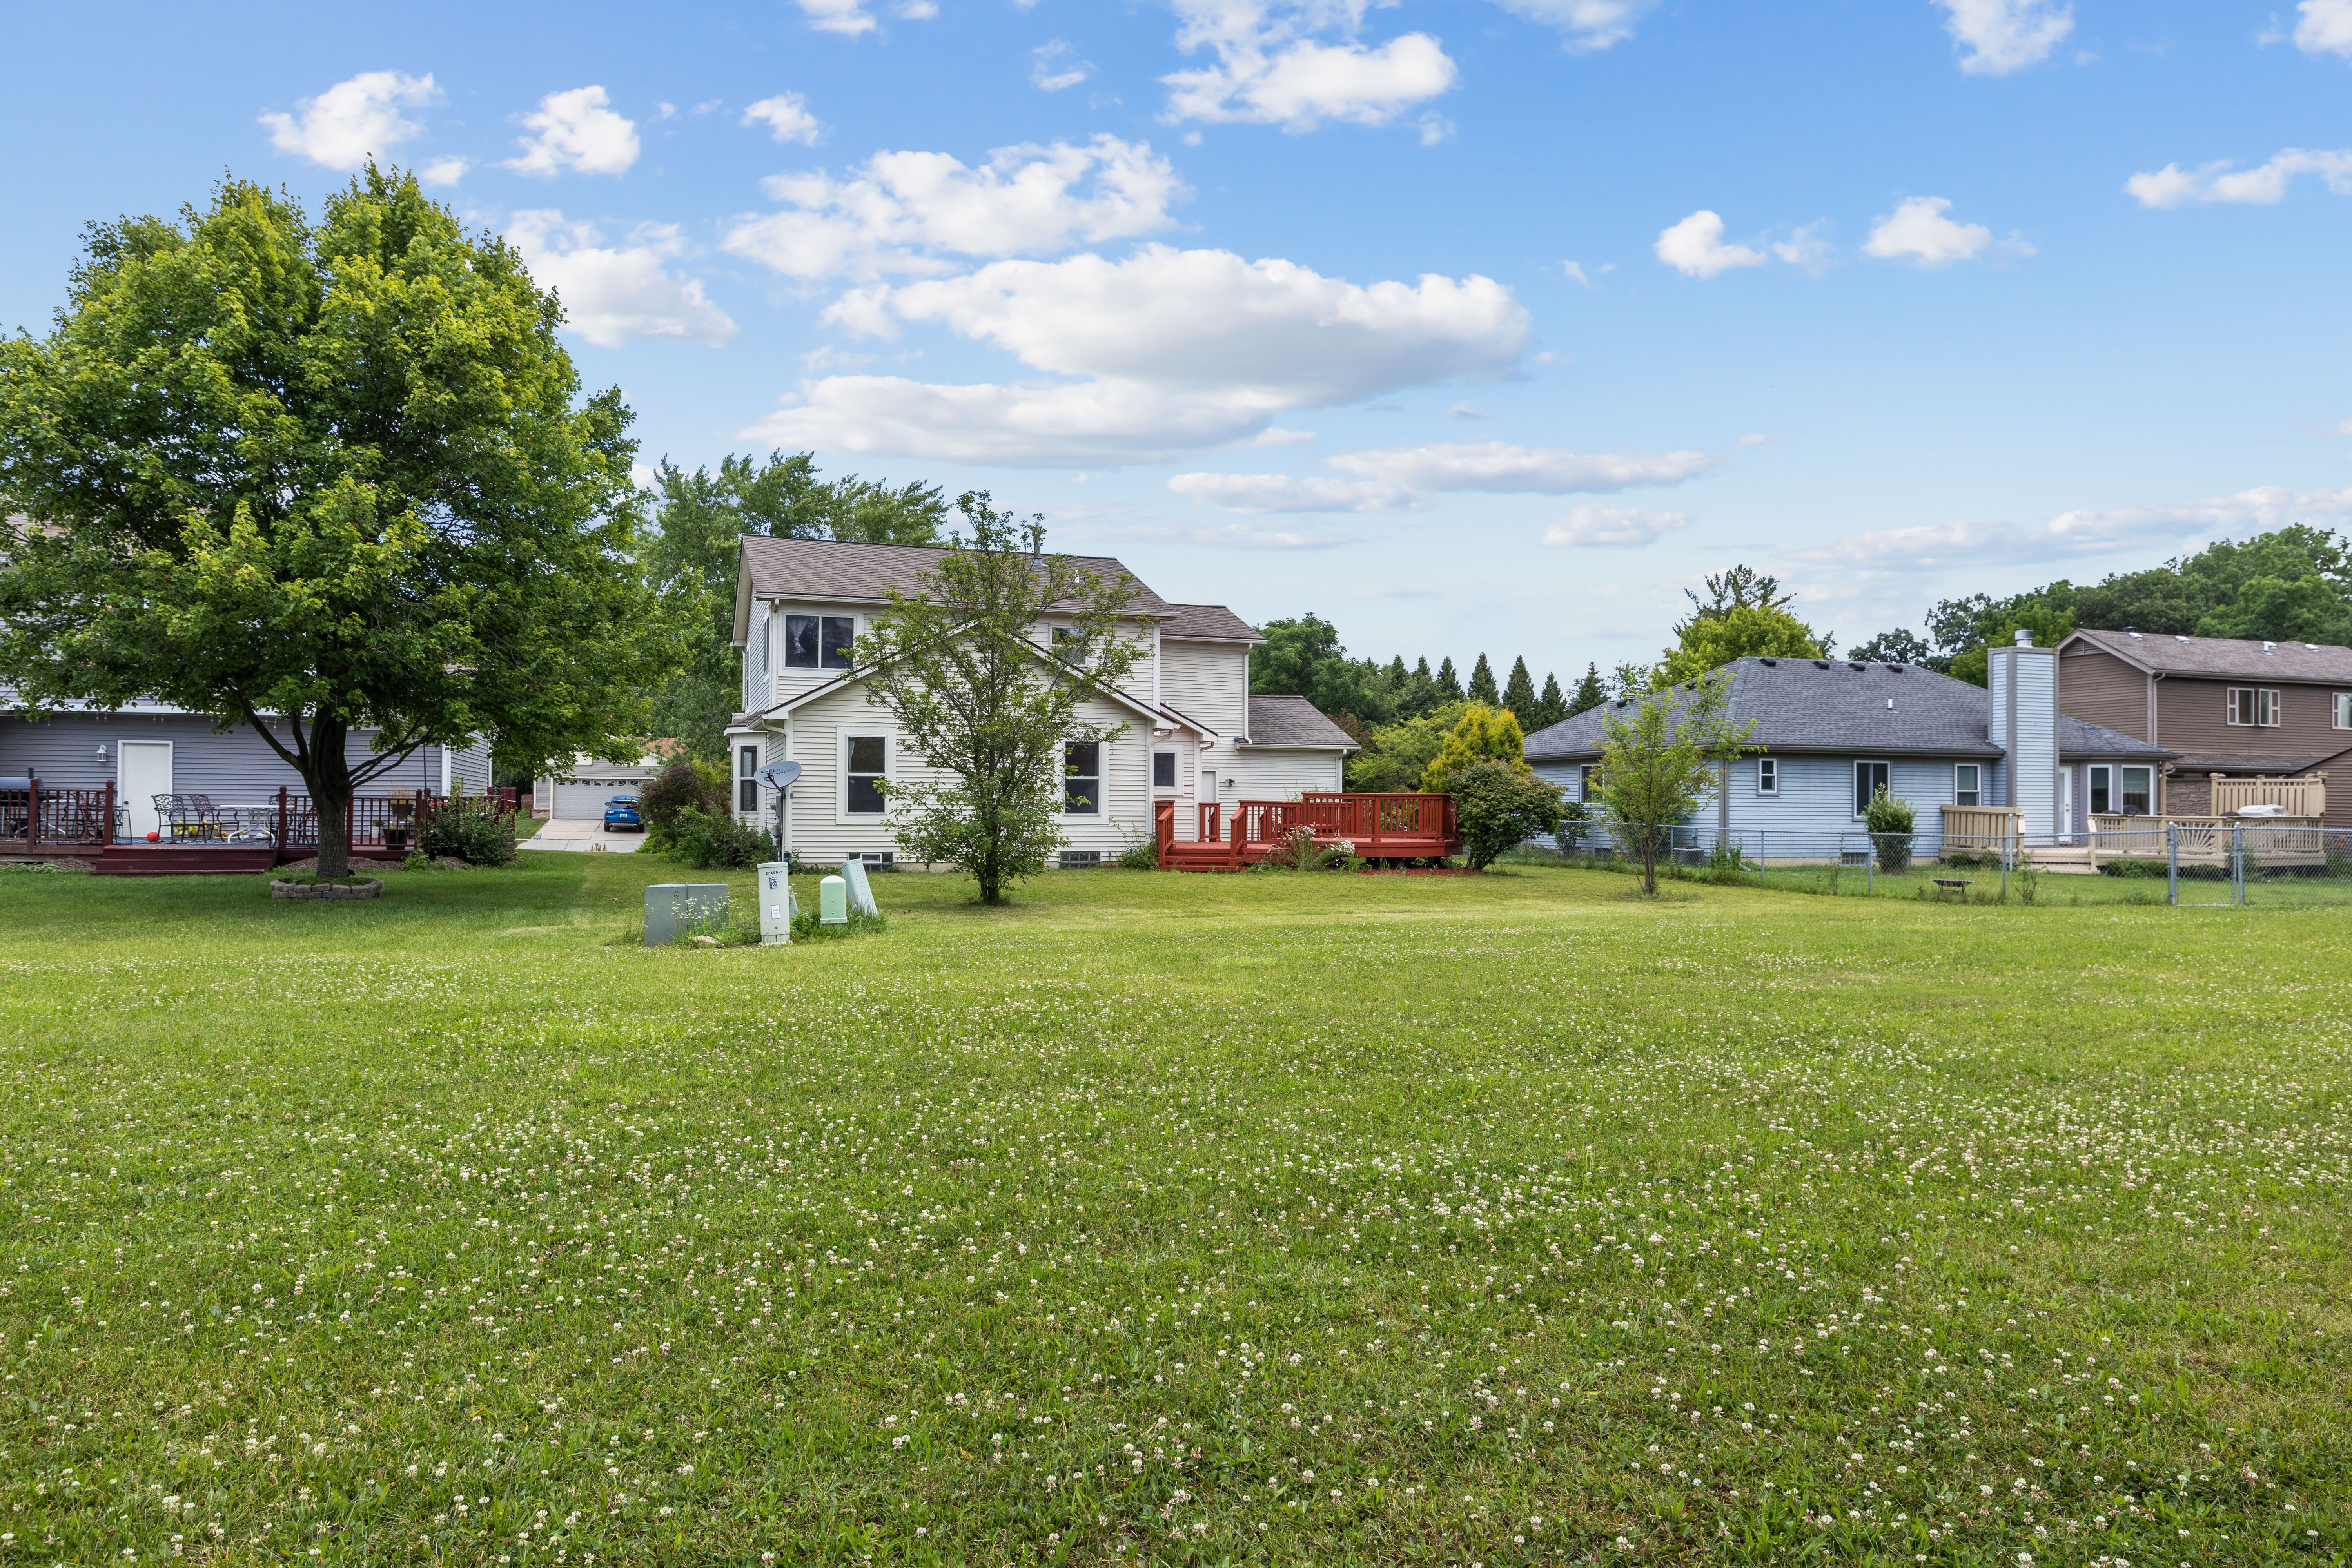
2173 186
1694 247
353 120
1172 352
443 170
613 294
2325 28
1272 68
1590 25
1941 546
901 211
2004 36
1396 479
1275 436
1218 536
914 10
1807 246
848 17
1499 467
787 118
1612 527
1055 65
1575 274
1919 230
576 131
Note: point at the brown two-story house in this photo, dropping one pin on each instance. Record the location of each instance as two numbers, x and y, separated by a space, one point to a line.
2237 707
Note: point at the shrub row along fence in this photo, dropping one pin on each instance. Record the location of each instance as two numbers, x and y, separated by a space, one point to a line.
2174 863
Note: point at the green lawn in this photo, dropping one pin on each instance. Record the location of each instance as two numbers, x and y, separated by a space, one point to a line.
1170 1219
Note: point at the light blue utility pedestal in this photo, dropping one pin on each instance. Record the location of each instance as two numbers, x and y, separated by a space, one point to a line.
861 892
833 903
776 906
677 908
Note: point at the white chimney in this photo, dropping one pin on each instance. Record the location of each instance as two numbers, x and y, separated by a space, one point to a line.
2024 682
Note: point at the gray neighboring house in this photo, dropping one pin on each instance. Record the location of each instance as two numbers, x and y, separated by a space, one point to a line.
147 749
1833 731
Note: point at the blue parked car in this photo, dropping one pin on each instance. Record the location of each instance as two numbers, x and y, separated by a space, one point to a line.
621 814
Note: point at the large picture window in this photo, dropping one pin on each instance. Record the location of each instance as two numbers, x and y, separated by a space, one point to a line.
867 760
818 642
1082 778
2255 706
1967 783
1869 778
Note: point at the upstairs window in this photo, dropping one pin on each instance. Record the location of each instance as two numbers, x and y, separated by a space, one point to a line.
867 759
1082 778
1163 770
1767 776
818 642
2343 706
1068 646
2255 706
1967 783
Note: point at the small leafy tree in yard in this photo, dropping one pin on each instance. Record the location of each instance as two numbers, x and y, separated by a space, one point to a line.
1498 808
1659 759
1481 734
320 480
982 699
1891 825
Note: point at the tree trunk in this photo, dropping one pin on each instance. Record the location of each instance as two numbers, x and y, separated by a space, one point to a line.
1650 861
331 797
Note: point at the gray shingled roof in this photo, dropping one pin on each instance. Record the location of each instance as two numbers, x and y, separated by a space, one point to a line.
1834 705
1292 721
2225 658
844 569
1208 621
2248 761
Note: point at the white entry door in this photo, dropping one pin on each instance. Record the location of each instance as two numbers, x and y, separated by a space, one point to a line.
2066 800
142 770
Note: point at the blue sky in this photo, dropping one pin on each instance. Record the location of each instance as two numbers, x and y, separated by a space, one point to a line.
1472 325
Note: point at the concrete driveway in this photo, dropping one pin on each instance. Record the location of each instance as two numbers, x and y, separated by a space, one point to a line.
582 834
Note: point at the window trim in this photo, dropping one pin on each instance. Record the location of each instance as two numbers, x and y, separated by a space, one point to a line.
2124 772
2266 707
747 788
1767 776
1169 755
820 617
1976 788
1100 775
1862 801
842 739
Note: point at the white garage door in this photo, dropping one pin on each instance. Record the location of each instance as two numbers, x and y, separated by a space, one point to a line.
586 797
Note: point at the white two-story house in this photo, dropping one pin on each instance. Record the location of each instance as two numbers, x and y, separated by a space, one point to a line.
1189 730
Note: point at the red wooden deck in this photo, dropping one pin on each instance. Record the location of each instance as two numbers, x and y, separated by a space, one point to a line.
1379 826
41 822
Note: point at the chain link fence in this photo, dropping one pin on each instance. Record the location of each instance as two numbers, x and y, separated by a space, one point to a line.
2239 865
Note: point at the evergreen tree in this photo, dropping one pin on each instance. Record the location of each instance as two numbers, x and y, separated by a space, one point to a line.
1590 693
1519 693
1551 707
1482 684
1449 685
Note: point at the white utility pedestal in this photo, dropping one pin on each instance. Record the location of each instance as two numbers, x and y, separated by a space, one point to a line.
776 906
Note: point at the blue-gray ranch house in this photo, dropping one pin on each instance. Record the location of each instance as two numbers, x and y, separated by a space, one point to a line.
1971 760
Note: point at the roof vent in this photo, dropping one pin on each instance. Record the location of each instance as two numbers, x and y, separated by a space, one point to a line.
1769 663
2180 639
1894 669
1821 664
2312 646
2025 637
2270 650
2134 635
1890 702
1855 668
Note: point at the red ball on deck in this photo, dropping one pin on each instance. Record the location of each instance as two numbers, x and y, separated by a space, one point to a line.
153 837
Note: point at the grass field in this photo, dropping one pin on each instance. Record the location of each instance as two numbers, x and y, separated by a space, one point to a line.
1170 1219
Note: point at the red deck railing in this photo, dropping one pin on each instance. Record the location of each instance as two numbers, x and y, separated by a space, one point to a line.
1379 826
42 818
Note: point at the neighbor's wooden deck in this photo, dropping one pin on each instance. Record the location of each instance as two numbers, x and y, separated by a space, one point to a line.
1378 826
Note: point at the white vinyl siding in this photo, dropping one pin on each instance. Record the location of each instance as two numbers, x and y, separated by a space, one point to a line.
1207 682
1271 773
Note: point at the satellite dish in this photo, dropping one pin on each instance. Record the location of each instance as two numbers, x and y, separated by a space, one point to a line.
778 775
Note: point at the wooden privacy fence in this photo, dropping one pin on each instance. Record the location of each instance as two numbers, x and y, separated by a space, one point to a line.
1978 829
2303 796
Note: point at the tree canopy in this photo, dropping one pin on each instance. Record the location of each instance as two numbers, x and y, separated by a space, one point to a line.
320 480
1742 631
